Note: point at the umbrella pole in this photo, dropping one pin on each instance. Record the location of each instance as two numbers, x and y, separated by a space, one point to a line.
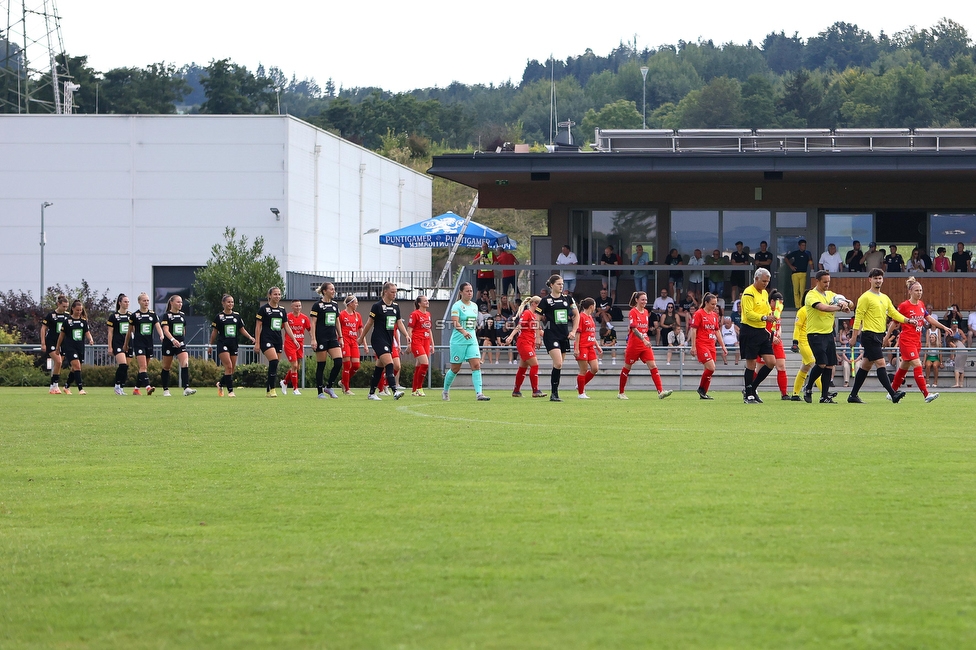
450 257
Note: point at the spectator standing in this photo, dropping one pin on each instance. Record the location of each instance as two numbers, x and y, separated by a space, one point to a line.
696 278
485 261
674 277
915 263
640 258
923 254
830 260
567 258
763 259
874 258
799 262
509 276
962 259
893 261
855 258
941 263
610 276
716 279
737 279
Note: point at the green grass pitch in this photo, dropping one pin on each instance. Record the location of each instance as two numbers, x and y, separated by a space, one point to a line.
151 522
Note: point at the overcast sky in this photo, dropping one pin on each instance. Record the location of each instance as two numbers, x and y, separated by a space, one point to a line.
404 45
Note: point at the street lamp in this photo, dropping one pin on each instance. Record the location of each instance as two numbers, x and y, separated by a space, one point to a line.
45 204
644 75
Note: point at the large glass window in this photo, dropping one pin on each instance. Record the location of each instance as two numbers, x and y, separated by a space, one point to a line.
844 229
621 229
748 226
791 219
948 229
691 229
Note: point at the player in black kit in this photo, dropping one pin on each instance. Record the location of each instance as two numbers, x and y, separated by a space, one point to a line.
326 339
71 342
118 341
50 330
561 320
270 322
226 327
173 325
384 320
142 324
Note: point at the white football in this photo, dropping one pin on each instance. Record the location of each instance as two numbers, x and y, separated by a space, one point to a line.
838 298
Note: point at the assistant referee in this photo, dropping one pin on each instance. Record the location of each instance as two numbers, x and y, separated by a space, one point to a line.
871 322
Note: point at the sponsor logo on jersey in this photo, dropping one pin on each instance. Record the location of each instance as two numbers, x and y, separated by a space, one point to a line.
276 324
391 322
330 319
145 329
177 329
77 335
230 331
561 316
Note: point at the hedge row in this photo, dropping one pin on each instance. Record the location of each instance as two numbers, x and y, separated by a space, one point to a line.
17 369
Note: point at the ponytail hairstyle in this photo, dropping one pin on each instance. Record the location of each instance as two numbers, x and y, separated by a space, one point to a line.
552 279
84 312
636 296
169 303
586 303
118 301
320 290
528 300
707 298
271 290
223 299
63 299
911 282
416 301
388 285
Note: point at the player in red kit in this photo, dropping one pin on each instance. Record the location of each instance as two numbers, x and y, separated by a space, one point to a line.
910 339
588 350
703 334
299 324
775 328
639 346
529 335
420 343
352 325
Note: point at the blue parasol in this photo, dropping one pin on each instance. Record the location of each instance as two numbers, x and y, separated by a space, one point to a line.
443 231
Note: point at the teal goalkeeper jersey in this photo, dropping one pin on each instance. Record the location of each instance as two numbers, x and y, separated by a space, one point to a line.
468 315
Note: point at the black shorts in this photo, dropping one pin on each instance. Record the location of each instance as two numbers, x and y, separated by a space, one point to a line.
50 346
72 353
754 342
824 349
227 346
508 285
872 342
322 346
171 350
141 350
271 342
485 284
120 350
553 343
381 347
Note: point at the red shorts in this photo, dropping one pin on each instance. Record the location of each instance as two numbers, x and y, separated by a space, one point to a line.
909 352
587 354
525 350
395 353
420 348
633 355
350 350
292 352
705 354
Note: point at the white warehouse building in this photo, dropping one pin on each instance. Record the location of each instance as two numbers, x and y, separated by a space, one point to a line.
137 201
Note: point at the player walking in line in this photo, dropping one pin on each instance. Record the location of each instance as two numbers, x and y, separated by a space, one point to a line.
143 323
561 318
529 336
173 325
227 325
299 324
118 340
50 331
420 343
910 340
806 354
352 324
775 329
703 335
870 321
270 321
821 305
639 346
71 342
755 341
327 337
384 320
464 343
588 350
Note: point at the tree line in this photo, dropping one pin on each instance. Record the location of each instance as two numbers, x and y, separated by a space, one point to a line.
843 77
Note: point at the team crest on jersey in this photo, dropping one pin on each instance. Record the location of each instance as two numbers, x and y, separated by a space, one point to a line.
457 358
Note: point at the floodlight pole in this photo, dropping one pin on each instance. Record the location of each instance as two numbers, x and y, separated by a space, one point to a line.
40 298
644 75
457 242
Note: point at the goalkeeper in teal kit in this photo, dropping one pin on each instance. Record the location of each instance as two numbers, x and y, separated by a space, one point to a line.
464 343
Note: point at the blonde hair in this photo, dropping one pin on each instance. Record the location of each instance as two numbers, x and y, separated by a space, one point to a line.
911 282
526 302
